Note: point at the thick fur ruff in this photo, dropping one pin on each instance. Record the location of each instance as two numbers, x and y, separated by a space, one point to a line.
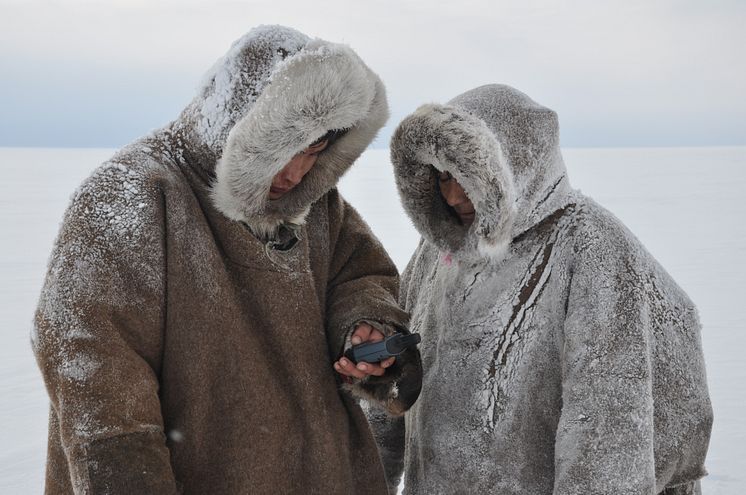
324 86
445 138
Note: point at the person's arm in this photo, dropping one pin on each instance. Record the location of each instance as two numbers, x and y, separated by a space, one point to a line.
98 336
605 436
362 289
389 433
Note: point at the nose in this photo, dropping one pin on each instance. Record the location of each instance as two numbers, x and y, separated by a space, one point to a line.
453 193
297 169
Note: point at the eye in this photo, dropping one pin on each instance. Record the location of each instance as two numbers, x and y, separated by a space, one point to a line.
445 177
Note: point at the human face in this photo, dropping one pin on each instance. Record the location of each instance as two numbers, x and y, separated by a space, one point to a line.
456 198
292 174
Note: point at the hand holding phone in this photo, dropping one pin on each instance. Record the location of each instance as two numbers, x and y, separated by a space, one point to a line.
374 352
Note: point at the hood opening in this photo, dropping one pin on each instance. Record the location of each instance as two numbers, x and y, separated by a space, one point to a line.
439 138
502 147
323 87
273 94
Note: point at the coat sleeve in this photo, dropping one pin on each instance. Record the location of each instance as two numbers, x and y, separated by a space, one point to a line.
98 337
605 436
389 433
363 285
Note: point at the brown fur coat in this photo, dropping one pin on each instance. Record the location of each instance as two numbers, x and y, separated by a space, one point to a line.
183 351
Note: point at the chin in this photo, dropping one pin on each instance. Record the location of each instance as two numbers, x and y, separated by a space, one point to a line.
277 195
467 220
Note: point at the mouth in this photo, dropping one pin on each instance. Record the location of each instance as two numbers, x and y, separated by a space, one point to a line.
467 218
277 192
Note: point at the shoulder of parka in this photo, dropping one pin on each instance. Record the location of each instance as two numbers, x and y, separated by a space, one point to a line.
602 240
596 229
601 243
120 206
112 231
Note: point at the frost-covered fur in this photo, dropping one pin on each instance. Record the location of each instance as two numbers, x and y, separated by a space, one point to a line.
324 86
571 364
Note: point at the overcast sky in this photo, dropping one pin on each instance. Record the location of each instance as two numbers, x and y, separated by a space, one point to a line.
619 73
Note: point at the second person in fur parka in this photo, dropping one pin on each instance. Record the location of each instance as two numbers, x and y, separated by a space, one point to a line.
559 357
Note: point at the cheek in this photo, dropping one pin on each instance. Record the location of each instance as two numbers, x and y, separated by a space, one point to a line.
462 195
304 167
309 164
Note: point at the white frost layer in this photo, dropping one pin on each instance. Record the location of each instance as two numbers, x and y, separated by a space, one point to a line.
684 204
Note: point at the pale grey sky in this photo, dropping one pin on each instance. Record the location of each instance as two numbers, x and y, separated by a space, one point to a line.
619 73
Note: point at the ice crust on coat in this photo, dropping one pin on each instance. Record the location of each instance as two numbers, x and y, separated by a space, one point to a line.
567 362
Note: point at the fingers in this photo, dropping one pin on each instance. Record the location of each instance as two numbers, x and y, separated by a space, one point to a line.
374 369
375 335
361 334
388 362
366 333
346 367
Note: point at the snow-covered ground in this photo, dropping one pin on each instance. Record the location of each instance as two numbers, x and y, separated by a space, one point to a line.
685 204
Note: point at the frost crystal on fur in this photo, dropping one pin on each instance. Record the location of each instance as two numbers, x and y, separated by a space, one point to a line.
229 88
558 355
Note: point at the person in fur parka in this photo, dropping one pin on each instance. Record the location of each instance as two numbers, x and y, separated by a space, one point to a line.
559 357
207 278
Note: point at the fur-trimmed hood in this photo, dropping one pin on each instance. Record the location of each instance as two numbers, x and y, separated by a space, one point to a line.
273 94
502 148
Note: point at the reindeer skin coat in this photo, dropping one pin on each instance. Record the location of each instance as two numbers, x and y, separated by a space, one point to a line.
558 355
186 343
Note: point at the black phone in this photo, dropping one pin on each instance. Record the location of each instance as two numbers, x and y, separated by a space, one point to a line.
373 352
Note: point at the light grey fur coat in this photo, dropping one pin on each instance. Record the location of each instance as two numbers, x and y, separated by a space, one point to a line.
559 356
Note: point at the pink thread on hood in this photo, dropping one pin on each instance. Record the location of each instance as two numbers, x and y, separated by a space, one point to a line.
447 259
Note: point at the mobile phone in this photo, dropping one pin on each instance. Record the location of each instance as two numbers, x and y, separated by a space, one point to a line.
373 352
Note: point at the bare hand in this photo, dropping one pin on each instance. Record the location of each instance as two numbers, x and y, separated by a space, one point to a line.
363 333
